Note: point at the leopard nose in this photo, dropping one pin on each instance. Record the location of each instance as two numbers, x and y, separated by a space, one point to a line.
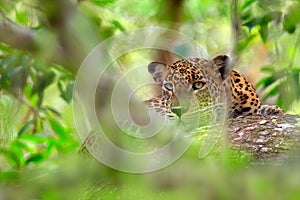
179 111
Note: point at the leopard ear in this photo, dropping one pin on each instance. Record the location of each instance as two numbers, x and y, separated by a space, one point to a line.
223 64
158 71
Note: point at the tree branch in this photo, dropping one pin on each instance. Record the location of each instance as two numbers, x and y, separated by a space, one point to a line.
235 30
16 36
68 39
267 138
23 38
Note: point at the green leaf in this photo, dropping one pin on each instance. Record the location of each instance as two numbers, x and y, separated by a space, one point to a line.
15 71
289 26
250 24
16 155
49 148
264 24
264 32
246 15
34 158
7 65
292 18
244 43
265 82
102 2
66 93
25 128
52 110
268 69
42 79
118 25
247 4
63 71
22 17
274 91
37 139
295 70
58 128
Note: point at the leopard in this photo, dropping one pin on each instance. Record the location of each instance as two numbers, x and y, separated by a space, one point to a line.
202 80
193 84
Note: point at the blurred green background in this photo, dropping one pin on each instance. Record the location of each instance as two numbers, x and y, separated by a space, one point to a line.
42 44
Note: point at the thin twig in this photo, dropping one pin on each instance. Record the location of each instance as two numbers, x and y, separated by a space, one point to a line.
31 110
235 29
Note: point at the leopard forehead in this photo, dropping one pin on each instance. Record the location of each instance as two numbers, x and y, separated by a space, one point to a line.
187 71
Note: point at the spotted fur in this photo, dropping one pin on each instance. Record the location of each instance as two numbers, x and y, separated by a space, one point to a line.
204 81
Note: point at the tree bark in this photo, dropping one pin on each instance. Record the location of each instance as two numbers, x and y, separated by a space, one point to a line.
273 137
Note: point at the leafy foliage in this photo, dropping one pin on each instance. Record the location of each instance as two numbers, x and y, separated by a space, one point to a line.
41 132
284 83
274 19
38 142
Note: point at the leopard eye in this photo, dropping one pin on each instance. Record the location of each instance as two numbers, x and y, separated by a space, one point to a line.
168 86
198 85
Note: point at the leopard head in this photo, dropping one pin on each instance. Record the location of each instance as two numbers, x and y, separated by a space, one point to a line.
190 84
